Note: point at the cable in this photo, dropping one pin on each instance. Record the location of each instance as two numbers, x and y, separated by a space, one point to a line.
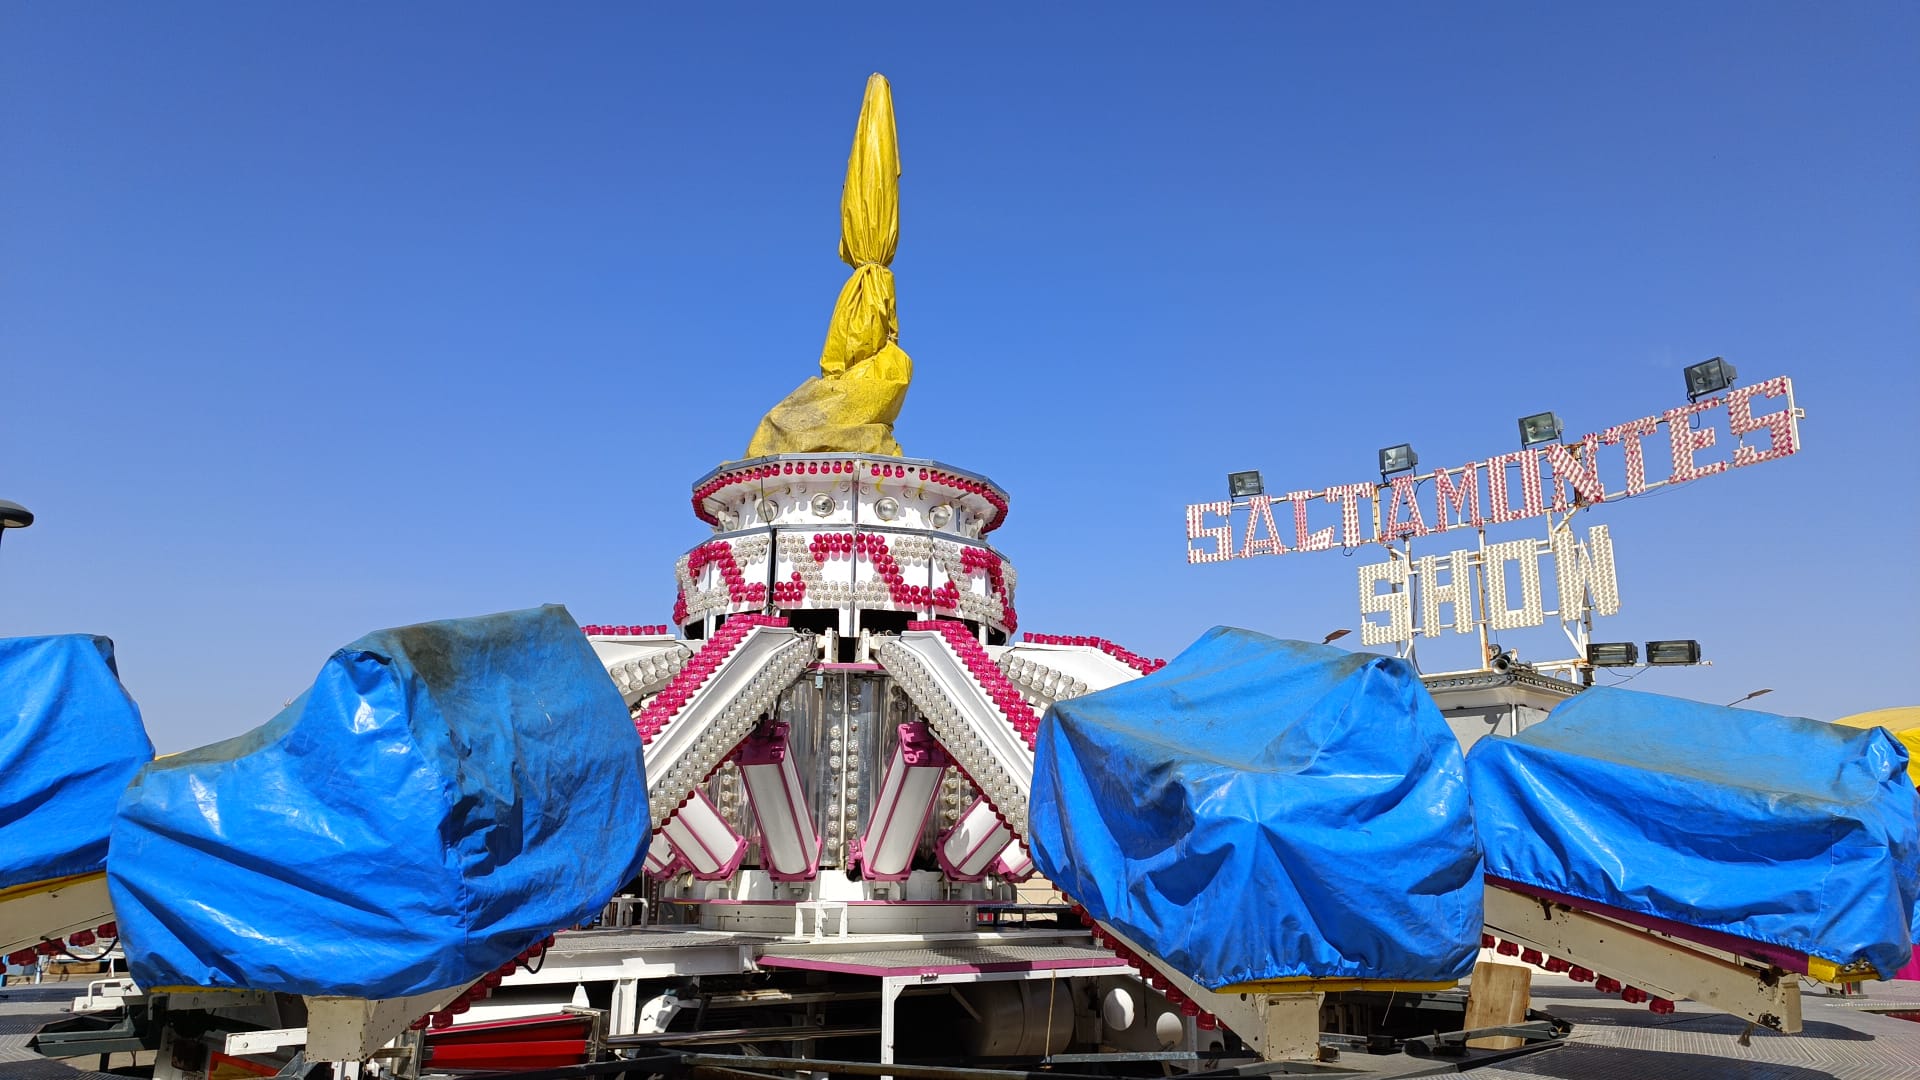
67 951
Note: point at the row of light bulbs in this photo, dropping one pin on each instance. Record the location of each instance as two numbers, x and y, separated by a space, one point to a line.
640 674
1046 682
718 738
958 736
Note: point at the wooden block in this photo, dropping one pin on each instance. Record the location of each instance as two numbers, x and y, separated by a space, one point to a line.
1498 997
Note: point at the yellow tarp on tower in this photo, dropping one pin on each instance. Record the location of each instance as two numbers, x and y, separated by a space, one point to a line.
851 405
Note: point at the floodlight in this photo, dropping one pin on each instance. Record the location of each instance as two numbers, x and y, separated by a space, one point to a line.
1539 430
14 516
1613 654
1398 459
1336 635
1673 652
1242 484
1708 377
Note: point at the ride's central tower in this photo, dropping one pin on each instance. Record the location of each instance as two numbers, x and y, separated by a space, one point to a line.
847 544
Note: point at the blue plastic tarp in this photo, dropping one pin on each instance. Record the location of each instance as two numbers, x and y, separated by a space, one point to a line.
442 797
1776 829
1263 809
70 739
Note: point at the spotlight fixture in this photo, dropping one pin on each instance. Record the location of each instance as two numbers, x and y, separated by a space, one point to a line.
1613 653
1241 485
1673 652
1398 459
1539 430
1708 377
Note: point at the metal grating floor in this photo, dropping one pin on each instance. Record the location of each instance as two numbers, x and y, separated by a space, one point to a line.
907 961
1612 1040
637 939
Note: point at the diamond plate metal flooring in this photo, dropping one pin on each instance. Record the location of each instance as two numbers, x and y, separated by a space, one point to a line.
1612 1040
25 1010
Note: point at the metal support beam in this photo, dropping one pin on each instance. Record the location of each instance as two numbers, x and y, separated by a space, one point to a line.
32 914
1663 966
351 1029
1280 1027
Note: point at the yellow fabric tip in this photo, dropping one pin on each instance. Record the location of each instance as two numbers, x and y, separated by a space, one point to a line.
851 406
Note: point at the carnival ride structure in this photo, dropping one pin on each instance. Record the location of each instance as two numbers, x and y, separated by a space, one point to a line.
852 758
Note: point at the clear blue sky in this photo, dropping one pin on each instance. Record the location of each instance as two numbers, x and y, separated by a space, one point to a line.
317 319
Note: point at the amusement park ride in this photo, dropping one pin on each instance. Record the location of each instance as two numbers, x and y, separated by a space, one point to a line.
841 728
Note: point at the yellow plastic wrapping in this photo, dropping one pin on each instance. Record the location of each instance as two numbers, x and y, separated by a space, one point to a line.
1902 722
851 405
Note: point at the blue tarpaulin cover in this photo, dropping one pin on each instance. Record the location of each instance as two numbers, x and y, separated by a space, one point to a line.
441 798
1263 809
70 739
1776 829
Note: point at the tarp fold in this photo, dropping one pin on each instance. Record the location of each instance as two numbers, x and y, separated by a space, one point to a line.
70 740
442 797
1263 809
1776 829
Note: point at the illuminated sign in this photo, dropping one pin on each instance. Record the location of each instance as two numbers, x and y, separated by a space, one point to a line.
1508 488
1473 586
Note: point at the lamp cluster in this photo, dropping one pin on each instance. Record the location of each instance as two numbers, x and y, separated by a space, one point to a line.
1627 653
1539 429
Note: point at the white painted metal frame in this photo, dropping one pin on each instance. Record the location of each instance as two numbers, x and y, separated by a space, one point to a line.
1279 1027
969 848
351 1029
1661 965
788 844
908 787
965 719
700 736
704 841
29 918
640 667
1050 673
892 985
